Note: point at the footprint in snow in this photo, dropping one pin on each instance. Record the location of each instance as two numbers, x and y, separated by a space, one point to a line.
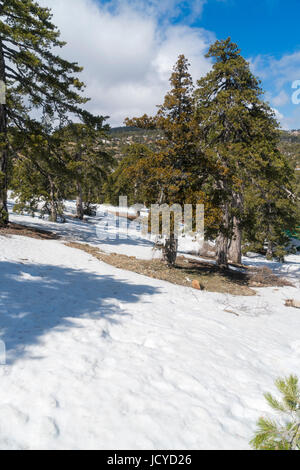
49 427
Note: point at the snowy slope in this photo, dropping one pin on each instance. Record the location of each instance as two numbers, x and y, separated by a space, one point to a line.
103 358
94 233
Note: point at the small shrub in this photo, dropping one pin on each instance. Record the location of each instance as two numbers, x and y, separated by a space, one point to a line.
265 277
273 435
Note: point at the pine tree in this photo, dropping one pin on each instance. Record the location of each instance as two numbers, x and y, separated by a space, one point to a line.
171 166
271 208
290 147
239 134
39 174
284 435
133 177
86 160
33 74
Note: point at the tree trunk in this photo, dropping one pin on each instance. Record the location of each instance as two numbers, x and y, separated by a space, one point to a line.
3 186
223 240
79 203
235 250
270 251
222 251
53 215
3 148
169 250
170 245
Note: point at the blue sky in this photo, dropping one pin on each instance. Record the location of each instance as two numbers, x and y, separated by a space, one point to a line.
259 26
267 31
128 47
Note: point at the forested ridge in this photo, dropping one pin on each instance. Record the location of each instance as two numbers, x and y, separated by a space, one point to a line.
120 136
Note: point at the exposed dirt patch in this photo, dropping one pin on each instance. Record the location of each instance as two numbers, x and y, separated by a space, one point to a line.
209 277
22 230
264 277
199 274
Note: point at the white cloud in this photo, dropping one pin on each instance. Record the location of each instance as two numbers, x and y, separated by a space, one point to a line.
127 53
278 76
162 9
292 121
281 99
284 70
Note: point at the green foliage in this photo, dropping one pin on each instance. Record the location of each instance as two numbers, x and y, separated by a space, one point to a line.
56 164
290 147
284 435
39 177
33 70
171 168
87 163
174 160
220 146
216 145
132 177
255 215
270 213
36 77
250 180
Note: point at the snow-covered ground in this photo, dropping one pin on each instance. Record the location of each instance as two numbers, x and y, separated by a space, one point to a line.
95 232
103 358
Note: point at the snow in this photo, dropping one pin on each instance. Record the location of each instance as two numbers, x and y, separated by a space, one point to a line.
132 243
101 358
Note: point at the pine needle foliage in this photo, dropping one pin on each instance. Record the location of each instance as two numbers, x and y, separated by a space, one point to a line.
284 434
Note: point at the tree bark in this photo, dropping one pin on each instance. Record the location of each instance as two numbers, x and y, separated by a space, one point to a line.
270 251
3 149
53 215
222 251
170 245
235 250
223 240
169 250
79 203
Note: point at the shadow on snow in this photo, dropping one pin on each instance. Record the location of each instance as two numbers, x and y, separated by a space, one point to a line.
35 299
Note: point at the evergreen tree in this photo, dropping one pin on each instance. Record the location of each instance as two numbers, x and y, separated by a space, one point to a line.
284 435
240 141
271 209
289 146
40 175
86 160
33 74
133 177
171 166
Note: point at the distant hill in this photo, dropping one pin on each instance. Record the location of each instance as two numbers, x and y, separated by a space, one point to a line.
132 132
124 130
122 136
